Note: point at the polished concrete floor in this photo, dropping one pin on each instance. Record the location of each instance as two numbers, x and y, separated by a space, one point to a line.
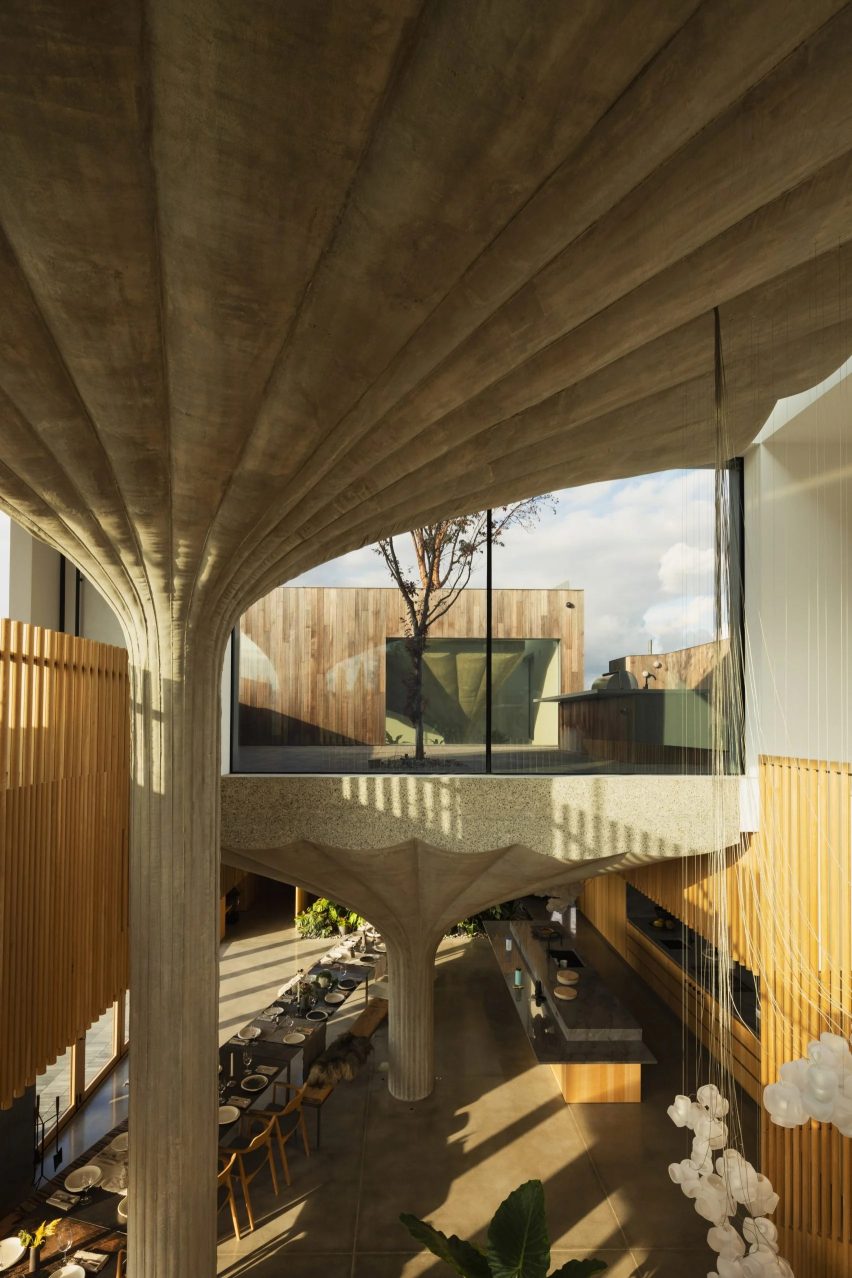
494 1120
258 954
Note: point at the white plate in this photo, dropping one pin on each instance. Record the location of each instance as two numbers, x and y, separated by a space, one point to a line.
254 1083
122 1141
69 1271
122 1210
249 1034
228 1114
292 1039
83 1178
316 1014
335 998
11 1252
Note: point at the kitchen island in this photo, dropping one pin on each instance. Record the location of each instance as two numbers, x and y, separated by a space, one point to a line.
592 1043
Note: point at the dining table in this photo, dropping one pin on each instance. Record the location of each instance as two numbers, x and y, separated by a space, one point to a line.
260 1049
93 1214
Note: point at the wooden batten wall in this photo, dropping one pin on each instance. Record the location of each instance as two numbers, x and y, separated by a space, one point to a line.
806 956
789 909
64 806
322 658
604 903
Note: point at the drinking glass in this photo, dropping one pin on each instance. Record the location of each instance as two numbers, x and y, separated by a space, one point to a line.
247 1057
65 1239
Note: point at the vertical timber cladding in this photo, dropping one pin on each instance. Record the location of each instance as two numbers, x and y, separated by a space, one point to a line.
789 900
806 942
326 647
64 807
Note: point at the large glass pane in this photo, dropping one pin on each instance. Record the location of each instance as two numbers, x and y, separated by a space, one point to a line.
603 659
52 1086
611 591
99 1046
374 662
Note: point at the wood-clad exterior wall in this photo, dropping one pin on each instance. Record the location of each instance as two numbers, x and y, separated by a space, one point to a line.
317 662
692 667
64 806
789 906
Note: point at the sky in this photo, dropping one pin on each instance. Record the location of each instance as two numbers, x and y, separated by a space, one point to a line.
641 549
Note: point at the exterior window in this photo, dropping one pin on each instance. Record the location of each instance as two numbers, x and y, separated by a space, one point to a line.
99 1047
55 1084
575 632
454 692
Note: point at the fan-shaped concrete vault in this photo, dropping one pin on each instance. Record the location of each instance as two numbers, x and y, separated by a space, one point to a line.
283 278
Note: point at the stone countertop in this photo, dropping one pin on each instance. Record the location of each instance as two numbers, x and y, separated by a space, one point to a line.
593 1028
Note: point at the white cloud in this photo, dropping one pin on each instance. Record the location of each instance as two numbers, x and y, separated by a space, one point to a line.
679 623
684 568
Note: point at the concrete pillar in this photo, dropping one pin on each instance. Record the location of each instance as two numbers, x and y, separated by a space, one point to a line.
301 900
174 872
411 1015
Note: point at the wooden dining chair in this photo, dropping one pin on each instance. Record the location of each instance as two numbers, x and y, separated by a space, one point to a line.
120 1263
253 1157
225 1190
287 1119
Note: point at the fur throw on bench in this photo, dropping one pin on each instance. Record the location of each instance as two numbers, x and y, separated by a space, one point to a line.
341 1061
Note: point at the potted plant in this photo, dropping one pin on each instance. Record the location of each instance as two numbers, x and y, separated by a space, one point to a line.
518 1242
35 1240
324 918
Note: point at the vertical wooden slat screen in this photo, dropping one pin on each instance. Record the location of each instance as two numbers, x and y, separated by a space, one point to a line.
789 893
64 807
806 953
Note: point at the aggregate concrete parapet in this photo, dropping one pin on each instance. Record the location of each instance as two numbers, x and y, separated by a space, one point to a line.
572 818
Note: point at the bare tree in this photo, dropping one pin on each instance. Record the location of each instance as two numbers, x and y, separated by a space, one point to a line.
444 556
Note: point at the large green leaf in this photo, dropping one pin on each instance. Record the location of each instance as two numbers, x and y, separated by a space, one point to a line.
518 1245
466 1259
579 1269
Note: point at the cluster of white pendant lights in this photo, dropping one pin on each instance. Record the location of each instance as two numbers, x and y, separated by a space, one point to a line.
720 1181
818 1086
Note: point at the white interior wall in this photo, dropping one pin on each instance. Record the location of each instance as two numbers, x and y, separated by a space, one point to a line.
226 710
798 537
5 535
33 577
97 619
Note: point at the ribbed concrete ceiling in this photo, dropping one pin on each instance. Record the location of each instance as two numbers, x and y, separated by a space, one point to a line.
278 278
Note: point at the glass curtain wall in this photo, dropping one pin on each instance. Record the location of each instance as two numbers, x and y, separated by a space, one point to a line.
576 632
